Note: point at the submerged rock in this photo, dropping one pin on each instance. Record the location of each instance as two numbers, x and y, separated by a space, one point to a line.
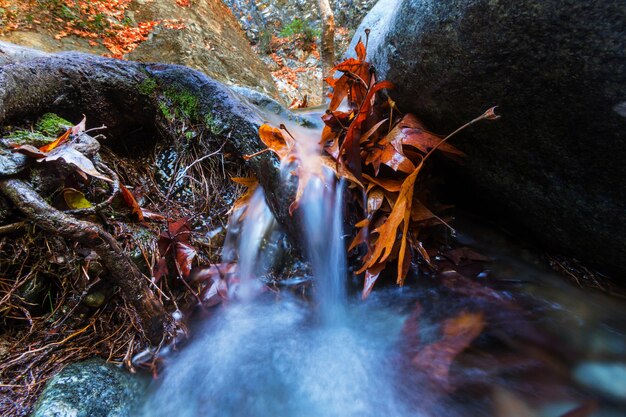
607 378
92 388
554 161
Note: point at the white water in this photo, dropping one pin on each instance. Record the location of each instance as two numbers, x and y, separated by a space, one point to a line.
260 357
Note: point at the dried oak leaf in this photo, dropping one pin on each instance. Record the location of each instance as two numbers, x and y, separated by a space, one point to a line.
458 333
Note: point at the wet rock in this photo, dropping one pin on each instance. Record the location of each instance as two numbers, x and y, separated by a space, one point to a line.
92 388
607 378
553 164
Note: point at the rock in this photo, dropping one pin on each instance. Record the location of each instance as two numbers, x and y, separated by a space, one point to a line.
211 41
92 388
606 378
554 162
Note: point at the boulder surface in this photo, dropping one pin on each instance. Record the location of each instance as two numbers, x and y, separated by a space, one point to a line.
554 162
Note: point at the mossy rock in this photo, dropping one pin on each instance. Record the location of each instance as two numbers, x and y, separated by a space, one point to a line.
92 388
52 125
27 137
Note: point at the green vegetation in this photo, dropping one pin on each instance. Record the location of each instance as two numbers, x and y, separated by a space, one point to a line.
179 104
298 28
214 126
52 125
147 86
28 137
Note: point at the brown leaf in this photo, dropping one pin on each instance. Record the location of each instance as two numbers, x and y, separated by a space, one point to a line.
458 333
128 198
371 276
387 233
80 127
388 184
30 151
150 215
411 132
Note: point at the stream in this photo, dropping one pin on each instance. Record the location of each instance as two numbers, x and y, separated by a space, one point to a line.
547 348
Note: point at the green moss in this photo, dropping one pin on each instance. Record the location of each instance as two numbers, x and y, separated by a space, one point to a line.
214 126
28 137
52 125
147 86
166 110
184 105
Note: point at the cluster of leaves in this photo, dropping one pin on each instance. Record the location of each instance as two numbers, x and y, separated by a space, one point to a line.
381 152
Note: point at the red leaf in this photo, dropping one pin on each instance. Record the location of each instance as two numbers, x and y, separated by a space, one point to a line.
185 254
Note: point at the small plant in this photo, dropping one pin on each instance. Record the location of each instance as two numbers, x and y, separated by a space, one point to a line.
300 29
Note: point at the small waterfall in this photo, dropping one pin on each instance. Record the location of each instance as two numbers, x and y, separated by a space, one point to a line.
250 231
322 212
260 358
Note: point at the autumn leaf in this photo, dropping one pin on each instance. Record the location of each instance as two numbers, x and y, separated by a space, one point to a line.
60 140
457 334
75 199
30 151
409 131
174 242
185 254
387 233
251 184
130 201
360 50
371 276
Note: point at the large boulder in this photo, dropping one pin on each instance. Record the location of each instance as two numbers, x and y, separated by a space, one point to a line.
554 162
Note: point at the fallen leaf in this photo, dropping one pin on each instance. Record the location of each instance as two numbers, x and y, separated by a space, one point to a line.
60 140
185 254
130 201
457 334
72 157
75 200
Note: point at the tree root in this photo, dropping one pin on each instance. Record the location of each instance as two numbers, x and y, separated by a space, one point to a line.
154 321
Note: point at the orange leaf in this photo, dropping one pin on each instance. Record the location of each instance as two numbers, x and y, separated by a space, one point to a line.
275 141
251 183
360 50
61 139
458 332
130 201
371 276
387 233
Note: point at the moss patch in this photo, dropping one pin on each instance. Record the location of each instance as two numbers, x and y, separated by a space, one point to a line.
147 87
52 125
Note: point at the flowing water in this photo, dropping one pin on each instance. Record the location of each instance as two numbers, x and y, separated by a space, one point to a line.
266 354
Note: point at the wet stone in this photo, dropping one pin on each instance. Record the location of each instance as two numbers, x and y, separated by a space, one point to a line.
92 388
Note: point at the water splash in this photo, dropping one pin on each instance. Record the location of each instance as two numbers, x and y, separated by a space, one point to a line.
250 231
